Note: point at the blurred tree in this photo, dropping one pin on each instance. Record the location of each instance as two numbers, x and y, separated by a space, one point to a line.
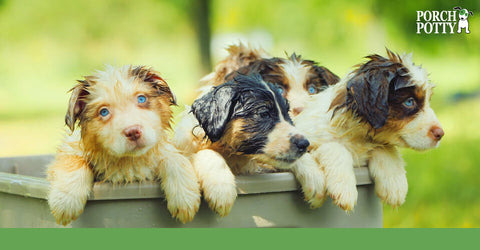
200 18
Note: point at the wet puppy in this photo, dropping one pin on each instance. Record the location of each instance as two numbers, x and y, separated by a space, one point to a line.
382 105
247 126
123 115
298 79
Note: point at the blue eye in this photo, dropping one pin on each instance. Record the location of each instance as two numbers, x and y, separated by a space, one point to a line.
104 112
409 102
141 99
280 89
312 90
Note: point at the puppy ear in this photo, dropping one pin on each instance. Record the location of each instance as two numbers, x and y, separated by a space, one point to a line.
77 103
262 66
457 8
153 77
471 13
367 91
325 74
214 109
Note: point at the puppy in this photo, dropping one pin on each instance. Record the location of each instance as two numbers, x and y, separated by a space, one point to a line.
239 56
380 106
463 16
297 79
247 126
123 114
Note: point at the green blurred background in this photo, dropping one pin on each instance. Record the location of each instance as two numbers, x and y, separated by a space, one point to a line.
45 45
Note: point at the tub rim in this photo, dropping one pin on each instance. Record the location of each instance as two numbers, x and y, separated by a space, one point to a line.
38 187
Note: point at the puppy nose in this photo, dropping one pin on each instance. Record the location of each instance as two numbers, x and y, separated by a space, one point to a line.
436 133
297 110
300 143
133 133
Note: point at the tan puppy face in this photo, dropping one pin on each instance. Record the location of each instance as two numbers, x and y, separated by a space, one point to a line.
122 112
412 118
297 79
393 96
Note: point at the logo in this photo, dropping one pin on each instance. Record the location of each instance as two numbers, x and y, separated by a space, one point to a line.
463 16
443 22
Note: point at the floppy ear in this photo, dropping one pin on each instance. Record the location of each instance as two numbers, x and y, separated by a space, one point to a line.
214 109
329 77
471 13
151 76
457 8
367 92
77 103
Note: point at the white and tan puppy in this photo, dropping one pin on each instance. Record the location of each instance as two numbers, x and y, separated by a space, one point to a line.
123 115
380 106
298 79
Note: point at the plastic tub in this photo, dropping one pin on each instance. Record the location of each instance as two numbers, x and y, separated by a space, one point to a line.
267 200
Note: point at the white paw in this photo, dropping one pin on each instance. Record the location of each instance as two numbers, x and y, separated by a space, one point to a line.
313 187
184 204
65 207
392 190
344 194
220 197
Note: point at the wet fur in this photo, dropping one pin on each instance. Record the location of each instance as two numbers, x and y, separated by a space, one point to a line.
362 120
246 129
97 151
293 74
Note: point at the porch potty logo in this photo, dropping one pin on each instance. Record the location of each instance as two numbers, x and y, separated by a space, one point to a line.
443 22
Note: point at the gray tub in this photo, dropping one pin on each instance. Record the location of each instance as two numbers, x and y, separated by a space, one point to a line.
267 200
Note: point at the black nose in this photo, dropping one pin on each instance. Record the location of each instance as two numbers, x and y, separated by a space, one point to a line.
300 143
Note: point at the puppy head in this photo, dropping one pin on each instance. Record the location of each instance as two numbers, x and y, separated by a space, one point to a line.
121 111
393 96
463 13
297 79
249 116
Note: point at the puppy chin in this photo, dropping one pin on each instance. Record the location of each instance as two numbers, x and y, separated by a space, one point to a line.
131 149
419 145
281 162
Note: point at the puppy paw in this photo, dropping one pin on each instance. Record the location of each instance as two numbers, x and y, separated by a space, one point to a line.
220 197
313 187
392 190
183 205
344 195
65 207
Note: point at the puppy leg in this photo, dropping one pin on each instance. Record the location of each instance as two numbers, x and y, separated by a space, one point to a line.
216 180
386 166
180 184
337 162
71 181
311 178
186 136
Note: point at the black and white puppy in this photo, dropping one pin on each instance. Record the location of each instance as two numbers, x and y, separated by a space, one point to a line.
247 126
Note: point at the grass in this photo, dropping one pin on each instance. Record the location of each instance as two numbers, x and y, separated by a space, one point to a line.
443 183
